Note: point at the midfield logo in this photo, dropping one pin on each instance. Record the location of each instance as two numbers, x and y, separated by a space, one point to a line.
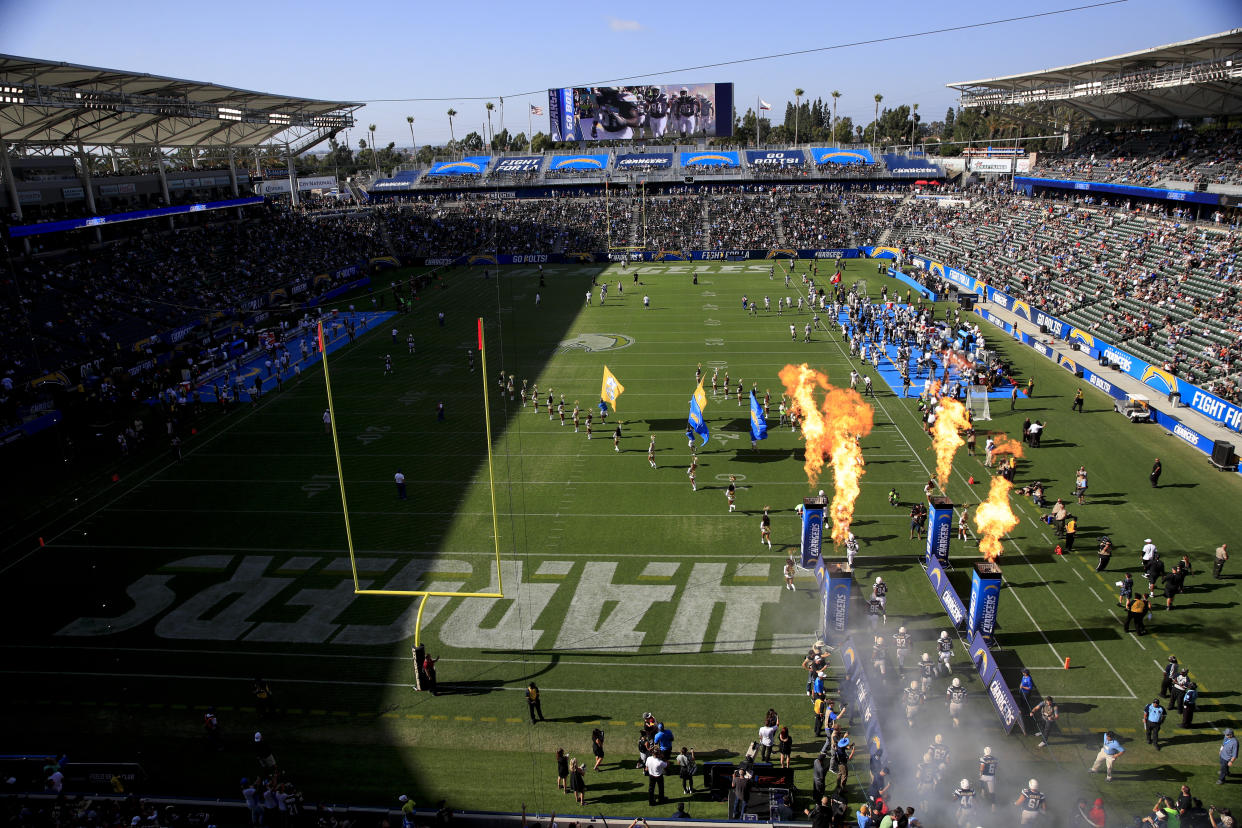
593 342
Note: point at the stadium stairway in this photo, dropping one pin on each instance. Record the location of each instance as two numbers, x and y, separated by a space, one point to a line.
780 229
383 231
707 226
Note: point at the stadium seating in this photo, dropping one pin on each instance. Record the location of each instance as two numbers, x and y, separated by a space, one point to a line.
1163 289
1147 158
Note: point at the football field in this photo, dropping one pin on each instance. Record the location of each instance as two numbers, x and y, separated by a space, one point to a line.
625 591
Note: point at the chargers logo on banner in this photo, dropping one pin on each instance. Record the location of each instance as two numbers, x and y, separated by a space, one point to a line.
473 165
939 531
1002 699
710 159
937 268
984 600
482 258
1159 379
832 155
579 162
1022 309
812 535
849 656
782 252
838 605
1081 336
944 591
884 253
58 378
1067 363
670 256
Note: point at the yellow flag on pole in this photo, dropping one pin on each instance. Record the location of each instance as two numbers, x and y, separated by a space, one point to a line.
611 389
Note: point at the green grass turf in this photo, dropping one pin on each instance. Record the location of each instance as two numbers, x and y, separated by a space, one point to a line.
626 592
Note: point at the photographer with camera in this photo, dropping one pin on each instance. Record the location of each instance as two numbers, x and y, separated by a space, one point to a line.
1222 818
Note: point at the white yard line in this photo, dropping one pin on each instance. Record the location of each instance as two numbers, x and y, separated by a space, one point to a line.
342 682
562 657
130 490
927 471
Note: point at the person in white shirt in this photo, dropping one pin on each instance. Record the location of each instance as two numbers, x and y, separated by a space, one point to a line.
767 740
655 778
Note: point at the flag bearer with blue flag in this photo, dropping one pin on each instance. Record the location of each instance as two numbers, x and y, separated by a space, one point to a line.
698 403
758 422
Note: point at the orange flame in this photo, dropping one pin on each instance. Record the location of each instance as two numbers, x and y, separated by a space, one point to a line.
800 382
994 518
834 430
946 439
1005 445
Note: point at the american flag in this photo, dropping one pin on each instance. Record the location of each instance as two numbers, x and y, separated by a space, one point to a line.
536 110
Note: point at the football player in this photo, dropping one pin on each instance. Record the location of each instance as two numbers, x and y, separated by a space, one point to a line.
686 110
655 104
707 122
616 113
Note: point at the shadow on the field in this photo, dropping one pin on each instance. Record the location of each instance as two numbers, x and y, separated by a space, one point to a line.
745 455
1178 486
479 687
668 424
1167 774
579 719
1017 639
1055 443
1210 586
624 788
1191 739
1200 605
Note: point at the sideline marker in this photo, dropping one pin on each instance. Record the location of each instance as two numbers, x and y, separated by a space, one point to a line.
1067 662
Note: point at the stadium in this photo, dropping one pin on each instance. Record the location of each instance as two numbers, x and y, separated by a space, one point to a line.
289 540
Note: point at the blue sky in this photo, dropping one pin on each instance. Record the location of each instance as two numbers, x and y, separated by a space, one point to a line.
386 49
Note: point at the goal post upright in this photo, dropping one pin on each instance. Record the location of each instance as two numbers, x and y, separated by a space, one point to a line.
336 451
424 594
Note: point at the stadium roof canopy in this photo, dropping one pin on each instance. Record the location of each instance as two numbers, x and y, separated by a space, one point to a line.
43 103
1191 79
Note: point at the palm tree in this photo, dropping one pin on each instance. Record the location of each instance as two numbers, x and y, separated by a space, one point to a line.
374 154
835 94
798 93
452 113
489 106
914 120
875 125
409 119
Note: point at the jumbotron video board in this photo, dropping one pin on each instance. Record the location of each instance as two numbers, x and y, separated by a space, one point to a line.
606 113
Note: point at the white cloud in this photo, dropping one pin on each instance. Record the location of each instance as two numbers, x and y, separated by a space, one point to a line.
619 25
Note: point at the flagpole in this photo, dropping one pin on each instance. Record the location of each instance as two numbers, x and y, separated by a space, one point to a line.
530 137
